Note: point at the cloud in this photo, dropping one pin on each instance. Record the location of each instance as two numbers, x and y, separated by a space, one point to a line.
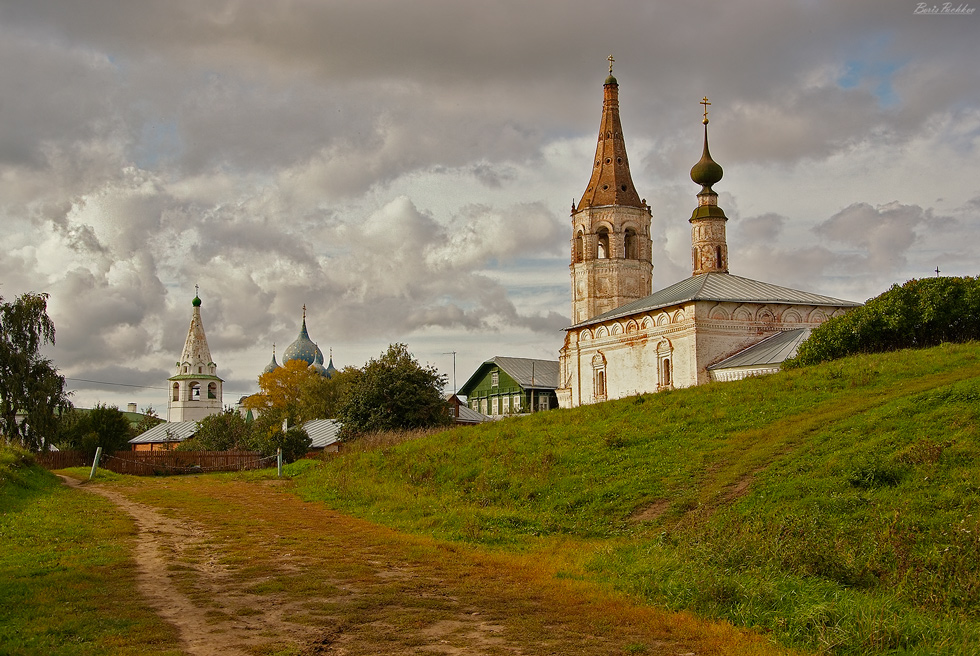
405 169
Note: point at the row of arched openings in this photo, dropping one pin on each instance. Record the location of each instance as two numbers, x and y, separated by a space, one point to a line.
629 249
194 391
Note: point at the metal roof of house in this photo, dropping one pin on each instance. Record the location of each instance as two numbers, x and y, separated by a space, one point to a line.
721 287
468 415
770 351
168 431
544 373
323 432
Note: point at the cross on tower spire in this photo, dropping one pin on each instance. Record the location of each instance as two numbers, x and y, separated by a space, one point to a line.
611 60
705 102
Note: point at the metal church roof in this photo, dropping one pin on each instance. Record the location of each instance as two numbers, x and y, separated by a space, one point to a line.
770 351
721 287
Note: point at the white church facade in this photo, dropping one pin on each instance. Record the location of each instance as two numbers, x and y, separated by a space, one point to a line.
710 326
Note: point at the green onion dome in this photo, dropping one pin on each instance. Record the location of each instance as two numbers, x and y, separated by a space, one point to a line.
707 171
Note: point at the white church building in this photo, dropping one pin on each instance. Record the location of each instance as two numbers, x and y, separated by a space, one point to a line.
714 325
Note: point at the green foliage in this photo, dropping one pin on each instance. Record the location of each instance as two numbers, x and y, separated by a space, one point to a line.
222 432
836 507
393 392
103 425
918 314
294 442
29 384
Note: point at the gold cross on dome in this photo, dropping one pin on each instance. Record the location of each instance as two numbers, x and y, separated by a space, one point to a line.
611 60
705 102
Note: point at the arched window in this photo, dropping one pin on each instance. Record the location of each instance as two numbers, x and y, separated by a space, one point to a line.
599 376
195 391
176 394
631 245
665 365
718 252
212 390
200 369
602 247
579 247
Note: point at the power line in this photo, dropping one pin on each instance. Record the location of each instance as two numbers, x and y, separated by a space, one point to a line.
103 382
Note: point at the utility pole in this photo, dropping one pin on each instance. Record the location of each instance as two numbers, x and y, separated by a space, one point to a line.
453 353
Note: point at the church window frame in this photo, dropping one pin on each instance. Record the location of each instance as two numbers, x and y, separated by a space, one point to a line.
176 392
602 244
665 365
600 379
194 391
631 244
579 246
212 390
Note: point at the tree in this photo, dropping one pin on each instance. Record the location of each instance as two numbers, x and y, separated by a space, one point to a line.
280 390
147 421
32 393
103 425
394 392
222 432
294 442
296 393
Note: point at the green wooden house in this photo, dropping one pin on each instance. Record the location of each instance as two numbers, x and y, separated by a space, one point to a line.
512 386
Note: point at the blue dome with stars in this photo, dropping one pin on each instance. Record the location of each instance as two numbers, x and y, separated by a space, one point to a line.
303 348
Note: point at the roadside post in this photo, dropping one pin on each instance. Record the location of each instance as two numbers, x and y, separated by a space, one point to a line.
95 463
279 461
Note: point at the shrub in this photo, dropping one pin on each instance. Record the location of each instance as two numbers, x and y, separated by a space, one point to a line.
918 314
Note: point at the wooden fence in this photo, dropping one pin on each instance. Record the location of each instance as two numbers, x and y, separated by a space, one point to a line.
156 463
62 459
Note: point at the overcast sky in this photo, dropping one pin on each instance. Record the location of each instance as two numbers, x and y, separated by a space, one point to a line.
406 168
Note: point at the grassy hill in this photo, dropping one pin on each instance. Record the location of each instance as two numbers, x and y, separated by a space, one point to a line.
836 508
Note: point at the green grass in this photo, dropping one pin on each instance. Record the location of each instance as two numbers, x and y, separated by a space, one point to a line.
64 566
836 508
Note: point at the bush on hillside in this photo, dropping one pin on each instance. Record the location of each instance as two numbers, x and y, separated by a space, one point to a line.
918 314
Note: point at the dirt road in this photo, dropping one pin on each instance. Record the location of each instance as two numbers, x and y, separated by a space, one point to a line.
247 568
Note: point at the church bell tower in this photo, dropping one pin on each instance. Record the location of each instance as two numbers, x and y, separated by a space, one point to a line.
611 246
195 389
709 246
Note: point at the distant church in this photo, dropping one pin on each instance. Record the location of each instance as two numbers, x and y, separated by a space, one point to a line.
626 340
306 350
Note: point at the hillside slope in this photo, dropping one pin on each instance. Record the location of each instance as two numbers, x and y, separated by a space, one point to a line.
835 507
